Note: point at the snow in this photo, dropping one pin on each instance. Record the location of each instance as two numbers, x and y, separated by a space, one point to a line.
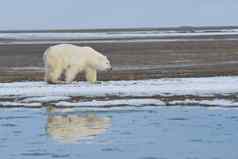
110 41
114 34
175 86
45 99
130 93
14 104
214 102
147 102
111 103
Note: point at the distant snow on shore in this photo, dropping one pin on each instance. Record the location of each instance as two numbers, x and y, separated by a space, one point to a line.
106 35
114 35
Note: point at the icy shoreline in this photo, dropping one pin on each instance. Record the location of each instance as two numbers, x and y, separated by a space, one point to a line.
115 34
210 91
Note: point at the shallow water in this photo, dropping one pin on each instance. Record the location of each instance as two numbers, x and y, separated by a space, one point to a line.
161 132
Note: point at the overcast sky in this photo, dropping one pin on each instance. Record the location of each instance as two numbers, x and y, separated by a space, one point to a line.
63 14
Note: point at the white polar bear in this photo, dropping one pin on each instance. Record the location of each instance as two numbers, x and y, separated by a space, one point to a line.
69 60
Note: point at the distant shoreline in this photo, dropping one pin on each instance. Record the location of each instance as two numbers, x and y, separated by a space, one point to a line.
178 28
185 34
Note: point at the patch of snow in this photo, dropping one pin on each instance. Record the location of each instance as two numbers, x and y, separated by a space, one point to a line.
214 102
45 99
175 86
114 34
111 41
126 104
113 103
13 104
35 93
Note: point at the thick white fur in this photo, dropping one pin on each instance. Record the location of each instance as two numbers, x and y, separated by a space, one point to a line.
69 60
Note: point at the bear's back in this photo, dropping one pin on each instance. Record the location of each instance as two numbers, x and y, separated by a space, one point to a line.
71 54
71 49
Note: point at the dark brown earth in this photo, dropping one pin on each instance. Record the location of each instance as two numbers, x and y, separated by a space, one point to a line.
133 60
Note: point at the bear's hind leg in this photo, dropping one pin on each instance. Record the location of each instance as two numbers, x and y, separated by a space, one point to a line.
70 74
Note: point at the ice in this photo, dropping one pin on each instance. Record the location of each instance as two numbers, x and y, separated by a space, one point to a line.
114 34
45 99
18 104
111 103
173 86
134 92
214 102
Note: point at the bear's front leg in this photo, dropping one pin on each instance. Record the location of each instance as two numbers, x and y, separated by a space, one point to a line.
52 76
91 75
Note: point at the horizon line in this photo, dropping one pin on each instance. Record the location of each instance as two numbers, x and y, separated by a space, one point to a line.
103 29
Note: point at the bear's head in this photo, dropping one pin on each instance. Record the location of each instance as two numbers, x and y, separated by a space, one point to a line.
103 64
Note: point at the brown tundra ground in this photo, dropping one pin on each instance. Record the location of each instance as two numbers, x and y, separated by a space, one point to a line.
132 60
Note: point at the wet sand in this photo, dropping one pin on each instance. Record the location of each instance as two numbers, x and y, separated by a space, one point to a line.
132 60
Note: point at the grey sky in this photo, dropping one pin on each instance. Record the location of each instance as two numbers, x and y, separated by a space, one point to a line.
45 14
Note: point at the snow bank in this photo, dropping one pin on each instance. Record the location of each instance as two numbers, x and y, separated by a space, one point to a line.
146 90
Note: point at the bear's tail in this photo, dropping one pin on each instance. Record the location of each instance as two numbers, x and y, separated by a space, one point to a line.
46 65
45 55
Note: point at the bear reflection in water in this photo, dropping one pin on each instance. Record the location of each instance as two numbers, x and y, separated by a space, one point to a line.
73 128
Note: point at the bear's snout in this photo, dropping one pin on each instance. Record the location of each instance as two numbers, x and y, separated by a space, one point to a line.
109 68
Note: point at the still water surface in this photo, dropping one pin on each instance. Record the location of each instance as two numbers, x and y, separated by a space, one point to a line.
158 133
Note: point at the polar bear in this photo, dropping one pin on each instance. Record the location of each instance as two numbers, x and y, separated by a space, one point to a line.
68 60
